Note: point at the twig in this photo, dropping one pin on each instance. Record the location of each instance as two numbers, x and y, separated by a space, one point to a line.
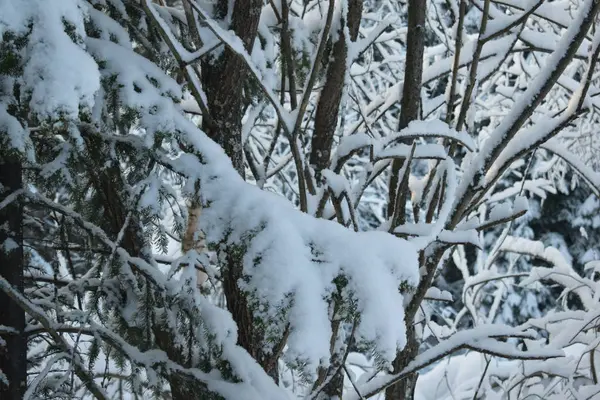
352 382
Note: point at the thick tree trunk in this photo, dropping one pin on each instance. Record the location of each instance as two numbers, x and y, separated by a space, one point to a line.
224 80
411 99
13 353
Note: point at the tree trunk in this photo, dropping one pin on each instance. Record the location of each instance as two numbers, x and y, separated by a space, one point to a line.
13 356
331 95
404 389
413 76
411 99
326 119
224 81
109 184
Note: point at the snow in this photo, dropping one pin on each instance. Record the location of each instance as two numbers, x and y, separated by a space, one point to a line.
470 236
547 40
416 186
476 338
539 187
500 211
561 272
520 204
387 148
555 146
108 28
137 90
434 293
427 151
278 262
350 144
15 16
554 11
425 232
435 128
450 377
524 140
523 107
60 75
9 245
292 262
337 183
507 210
18 137
286 266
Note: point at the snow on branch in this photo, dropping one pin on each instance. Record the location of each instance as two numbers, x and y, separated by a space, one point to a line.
481 339
592 177
561 271
290 258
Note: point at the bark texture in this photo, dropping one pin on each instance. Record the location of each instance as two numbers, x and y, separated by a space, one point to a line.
326 119
411 99
327 113
413 76
224 79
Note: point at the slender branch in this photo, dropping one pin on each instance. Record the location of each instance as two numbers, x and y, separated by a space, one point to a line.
40 316
315 68
476 339
456 64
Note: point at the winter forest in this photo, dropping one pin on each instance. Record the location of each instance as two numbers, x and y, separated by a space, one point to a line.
300 199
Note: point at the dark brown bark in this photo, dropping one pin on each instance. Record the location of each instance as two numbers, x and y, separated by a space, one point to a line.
13 356
404 389
326 118
413 76
335 373
327 113
224 79
411 99
181 387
